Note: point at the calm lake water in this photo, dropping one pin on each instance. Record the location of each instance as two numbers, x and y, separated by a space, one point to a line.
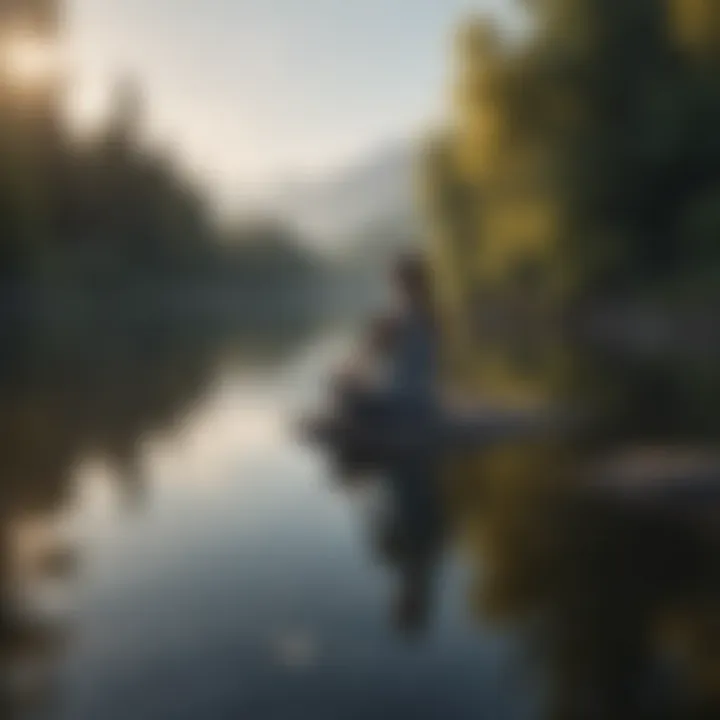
171 550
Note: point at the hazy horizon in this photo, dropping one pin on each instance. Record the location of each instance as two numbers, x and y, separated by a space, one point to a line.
255 96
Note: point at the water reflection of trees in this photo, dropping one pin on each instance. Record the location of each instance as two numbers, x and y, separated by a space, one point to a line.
617 593
100 393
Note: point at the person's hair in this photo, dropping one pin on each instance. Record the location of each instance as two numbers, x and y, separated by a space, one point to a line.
412 277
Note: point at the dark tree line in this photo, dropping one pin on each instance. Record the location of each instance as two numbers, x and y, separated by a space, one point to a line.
107 211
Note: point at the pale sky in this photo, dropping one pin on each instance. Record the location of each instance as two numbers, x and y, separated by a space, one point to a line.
256 92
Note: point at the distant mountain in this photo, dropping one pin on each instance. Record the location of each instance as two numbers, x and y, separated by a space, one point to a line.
360 204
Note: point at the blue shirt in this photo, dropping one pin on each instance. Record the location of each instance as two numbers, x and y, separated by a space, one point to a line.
414 365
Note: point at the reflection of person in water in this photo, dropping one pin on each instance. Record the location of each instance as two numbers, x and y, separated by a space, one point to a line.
410 540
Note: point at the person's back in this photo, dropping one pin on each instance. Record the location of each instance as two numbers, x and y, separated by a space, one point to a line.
413 367
414 364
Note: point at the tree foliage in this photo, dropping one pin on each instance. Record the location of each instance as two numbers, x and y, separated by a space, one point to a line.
583 159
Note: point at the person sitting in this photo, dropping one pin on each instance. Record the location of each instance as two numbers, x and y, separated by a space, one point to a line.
396 371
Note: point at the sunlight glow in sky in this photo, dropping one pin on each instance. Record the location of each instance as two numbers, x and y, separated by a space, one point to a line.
256 92
28 59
